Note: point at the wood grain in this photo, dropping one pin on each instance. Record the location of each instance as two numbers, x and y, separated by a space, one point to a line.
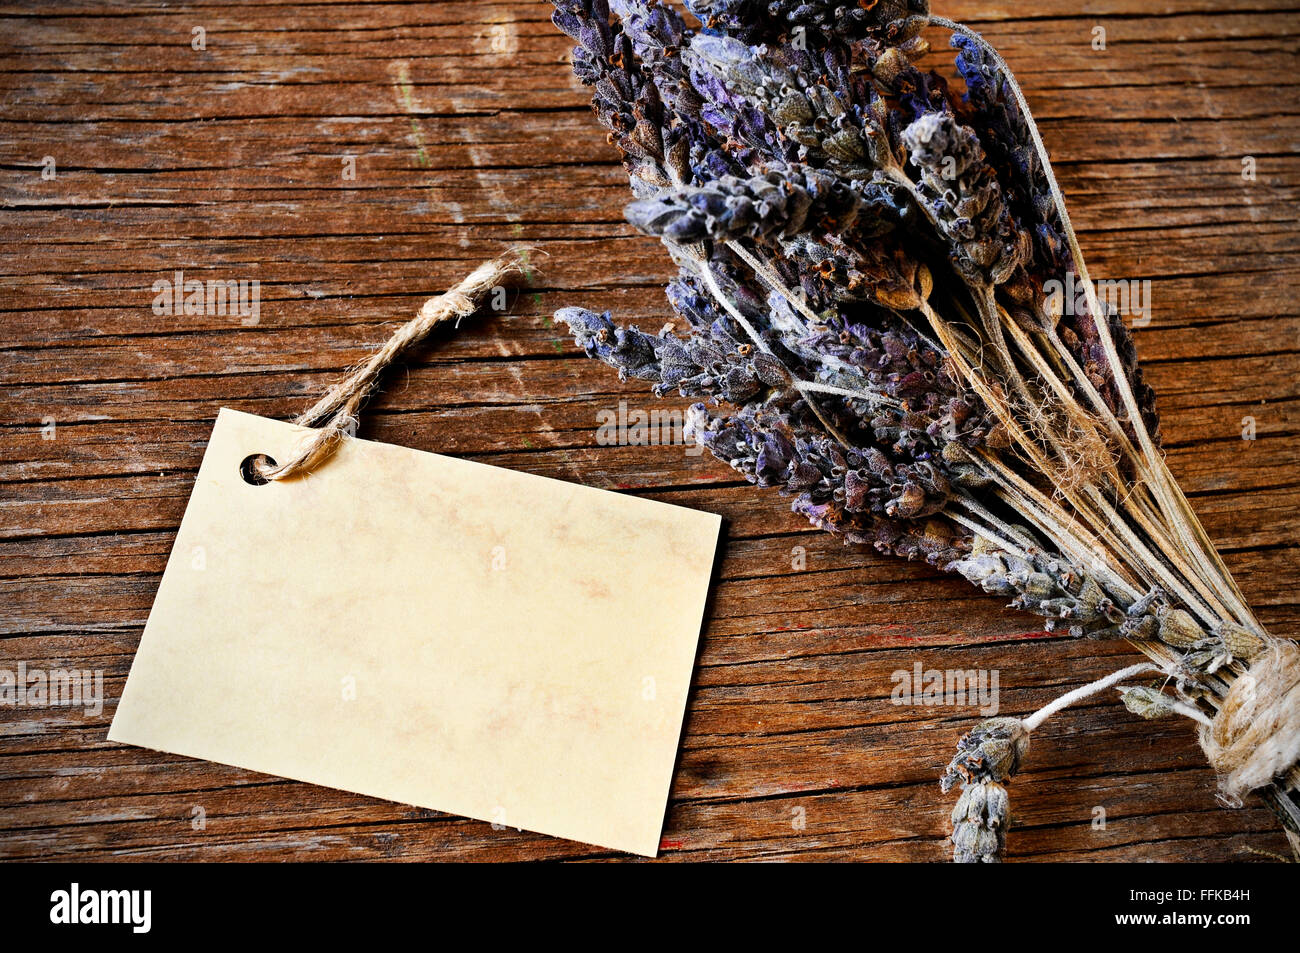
468 133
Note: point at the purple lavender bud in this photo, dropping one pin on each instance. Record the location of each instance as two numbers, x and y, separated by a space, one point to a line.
629 350
781 202
716 366
965 198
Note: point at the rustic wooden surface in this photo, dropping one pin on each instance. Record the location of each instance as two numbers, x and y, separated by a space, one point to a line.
468 134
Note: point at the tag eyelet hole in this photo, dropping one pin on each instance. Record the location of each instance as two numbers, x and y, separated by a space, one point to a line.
250 468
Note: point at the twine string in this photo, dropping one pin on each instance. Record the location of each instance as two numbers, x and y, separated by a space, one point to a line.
1255 737
335 414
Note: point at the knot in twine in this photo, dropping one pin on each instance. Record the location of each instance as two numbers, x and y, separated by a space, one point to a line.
1256 735
335 414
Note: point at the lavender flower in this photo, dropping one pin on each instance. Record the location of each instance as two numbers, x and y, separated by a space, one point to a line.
778 203
714 366
965 197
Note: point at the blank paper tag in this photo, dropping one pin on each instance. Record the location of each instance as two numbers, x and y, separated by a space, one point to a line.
431 631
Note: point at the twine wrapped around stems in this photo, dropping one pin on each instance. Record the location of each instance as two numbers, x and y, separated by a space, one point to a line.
1256 735
335 414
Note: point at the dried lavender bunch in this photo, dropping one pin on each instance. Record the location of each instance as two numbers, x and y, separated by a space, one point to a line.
863 255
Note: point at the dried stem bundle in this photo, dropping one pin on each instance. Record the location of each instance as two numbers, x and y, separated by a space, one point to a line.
864 256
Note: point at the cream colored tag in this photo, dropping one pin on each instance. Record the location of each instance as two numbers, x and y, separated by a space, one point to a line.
431 631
